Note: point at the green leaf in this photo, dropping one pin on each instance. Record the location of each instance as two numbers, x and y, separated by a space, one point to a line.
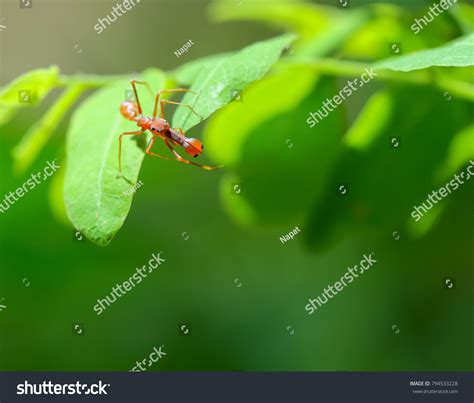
96 200
458 53
38 135
188 72
31 88
217 84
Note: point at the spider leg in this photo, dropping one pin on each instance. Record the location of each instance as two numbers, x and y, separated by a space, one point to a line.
165 101
148 150
133 82
157 99
136 133
185 161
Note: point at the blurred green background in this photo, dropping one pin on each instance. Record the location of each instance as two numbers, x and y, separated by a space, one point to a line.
261 325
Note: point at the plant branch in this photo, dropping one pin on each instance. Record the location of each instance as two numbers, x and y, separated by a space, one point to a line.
344 68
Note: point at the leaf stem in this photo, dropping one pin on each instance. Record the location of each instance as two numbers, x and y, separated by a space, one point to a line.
89 81
33 142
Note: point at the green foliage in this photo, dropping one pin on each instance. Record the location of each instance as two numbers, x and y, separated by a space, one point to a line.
281 158
218 83
381 190
96 201
289 175
276 189
289 172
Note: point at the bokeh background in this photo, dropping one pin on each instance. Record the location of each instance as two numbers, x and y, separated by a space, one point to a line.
49 282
